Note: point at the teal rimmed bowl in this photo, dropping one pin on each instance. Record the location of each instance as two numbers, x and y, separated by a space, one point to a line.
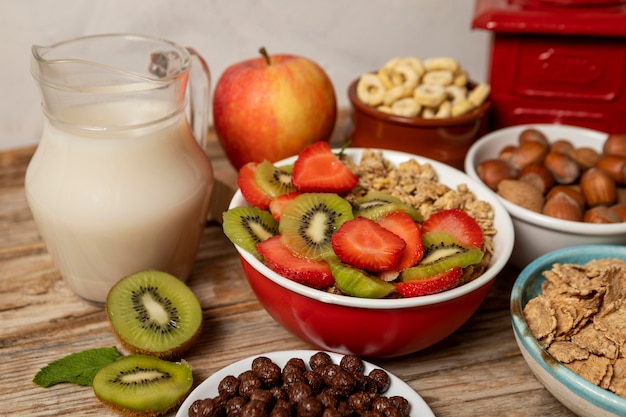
574 392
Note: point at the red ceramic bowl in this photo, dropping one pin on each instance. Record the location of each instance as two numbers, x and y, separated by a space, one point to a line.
444 140
379 328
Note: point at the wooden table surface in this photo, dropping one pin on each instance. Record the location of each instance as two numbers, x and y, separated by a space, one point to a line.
477 371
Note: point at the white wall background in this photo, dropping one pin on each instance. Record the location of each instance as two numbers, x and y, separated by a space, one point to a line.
345 37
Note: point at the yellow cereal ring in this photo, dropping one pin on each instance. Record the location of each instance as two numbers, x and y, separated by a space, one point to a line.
394 93
385 74
384 109
444 110
461 79
441 63
462 107
417 65
429 95
370 89
441 77
456 94
479 94
428 113
393 62
406 107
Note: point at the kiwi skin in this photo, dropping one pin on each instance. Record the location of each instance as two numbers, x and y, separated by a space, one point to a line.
126 308
170 385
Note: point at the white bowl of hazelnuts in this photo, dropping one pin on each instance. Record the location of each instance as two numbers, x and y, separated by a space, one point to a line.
562 185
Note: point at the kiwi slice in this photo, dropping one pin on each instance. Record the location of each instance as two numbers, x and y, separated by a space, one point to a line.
442 252
308 222
154 313
354 282
246 226
142 385
273 180
376 204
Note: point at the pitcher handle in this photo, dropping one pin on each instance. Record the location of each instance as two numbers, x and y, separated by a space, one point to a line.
199 98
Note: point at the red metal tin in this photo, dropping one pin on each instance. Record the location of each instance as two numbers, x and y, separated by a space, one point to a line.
556 61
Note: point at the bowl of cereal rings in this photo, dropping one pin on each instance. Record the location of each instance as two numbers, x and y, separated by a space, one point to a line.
567 309
426 107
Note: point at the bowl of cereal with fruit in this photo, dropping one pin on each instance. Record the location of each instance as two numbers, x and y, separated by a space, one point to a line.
426 107
563 185
369 252
568 308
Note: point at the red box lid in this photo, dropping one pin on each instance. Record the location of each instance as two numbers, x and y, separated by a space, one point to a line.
560 17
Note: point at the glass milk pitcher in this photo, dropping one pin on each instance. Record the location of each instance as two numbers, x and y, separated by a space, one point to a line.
120 182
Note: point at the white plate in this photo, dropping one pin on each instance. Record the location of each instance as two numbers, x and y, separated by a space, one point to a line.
208 388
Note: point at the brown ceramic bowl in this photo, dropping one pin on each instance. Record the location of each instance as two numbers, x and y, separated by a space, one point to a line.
444 140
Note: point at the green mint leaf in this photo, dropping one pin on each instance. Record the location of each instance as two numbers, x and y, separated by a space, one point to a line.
78 368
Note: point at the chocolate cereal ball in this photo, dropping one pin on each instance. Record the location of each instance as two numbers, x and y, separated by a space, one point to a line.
228 386
319 360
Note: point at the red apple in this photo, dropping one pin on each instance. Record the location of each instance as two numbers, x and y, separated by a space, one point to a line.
272 107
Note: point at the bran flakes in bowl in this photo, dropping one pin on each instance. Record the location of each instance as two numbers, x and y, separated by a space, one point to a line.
579 319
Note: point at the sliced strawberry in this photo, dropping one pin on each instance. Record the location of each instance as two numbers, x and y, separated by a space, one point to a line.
278 203
318 169
249 188
364 244
278 258
401 223
456 222
434 284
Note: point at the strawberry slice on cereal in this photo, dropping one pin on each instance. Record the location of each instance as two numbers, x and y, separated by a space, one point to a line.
280 259
440 282
456 222
249 187
401 223
277 204
318 169
365 244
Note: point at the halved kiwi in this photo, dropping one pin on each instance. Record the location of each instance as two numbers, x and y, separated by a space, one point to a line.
273 180
354 282
376 204
442 252
247 226
309 220
154 313
141 385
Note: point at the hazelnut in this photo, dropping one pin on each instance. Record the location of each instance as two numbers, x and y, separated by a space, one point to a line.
598 187
621 195
615 166
522 194
561 146
563 168
584 156
569 190
538 175
620 209
506 153
601 214
528 153
492 171
562 206
533 135
615 144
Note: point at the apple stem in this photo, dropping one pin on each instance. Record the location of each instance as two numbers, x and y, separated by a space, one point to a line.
263 52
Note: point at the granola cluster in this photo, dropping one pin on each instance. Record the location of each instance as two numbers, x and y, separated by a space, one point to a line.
580 319
418 185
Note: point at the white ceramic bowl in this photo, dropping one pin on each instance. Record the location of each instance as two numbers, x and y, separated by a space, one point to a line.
334 322
535 233
579 395
208 388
